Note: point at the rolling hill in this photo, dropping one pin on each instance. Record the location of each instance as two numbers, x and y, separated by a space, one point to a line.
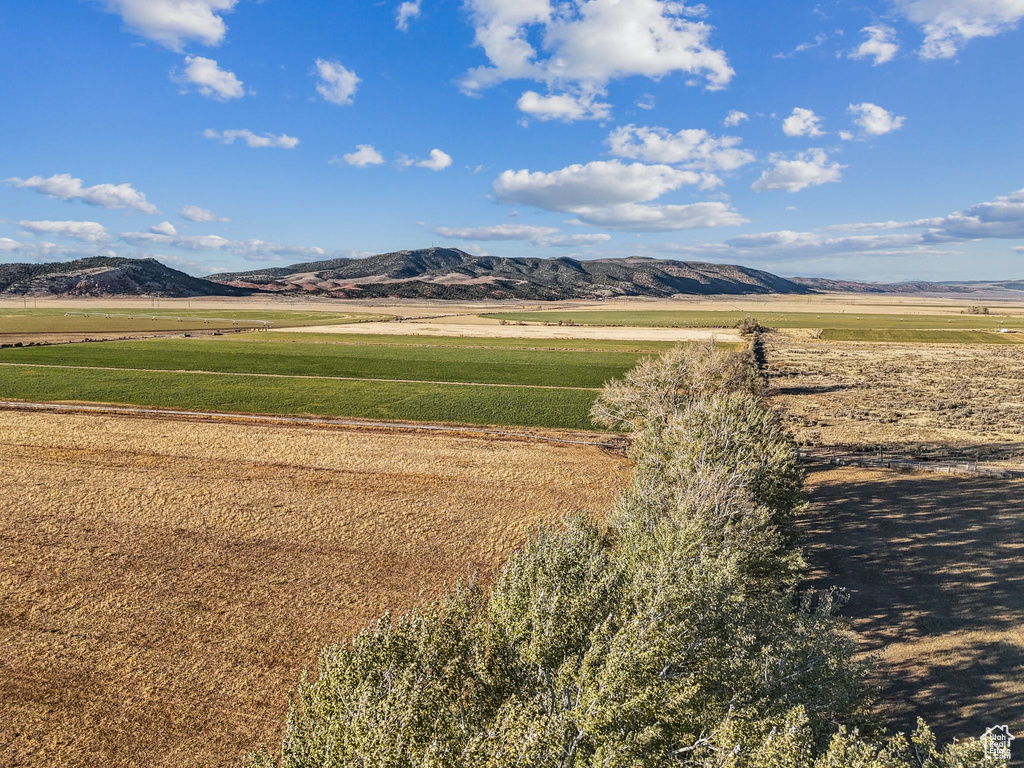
448 273
107 276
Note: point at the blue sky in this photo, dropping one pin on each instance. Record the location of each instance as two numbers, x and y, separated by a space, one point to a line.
877 141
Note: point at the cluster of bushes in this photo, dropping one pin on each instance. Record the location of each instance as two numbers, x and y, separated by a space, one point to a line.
675 633
975 309
749 326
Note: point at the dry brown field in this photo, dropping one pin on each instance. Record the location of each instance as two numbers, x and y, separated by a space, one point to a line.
934 565
907 398
164 582
825 302
488 328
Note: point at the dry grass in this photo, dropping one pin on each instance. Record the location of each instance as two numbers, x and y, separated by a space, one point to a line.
494 330
827 302
933 564
908 398
162 583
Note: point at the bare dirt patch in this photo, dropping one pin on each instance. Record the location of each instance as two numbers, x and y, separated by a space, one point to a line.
163 583
934 568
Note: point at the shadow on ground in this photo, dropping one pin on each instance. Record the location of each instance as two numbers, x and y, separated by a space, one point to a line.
934 565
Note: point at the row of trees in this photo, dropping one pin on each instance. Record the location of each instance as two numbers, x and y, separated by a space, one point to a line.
675 633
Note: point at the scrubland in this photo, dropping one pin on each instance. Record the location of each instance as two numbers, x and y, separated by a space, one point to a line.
919 399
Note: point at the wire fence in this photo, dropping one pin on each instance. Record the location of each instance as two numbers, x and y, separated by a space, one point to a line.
879 460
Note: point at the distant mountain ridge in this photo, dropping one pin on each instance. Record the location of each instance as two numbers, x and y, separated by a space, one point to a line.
107 276
992 288
449 273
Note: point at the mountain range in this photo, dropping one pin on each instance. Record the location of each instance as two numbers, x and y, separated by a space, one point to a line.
448 273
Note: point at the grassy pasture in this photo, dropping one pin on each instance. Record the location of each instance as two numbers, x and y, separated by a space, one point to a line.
365 361
908 336
140 320
399 401
716 319
509 386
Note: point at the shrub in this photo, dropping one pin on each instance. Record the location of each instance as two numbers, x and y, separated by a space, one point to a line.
660 387
677 636
749 326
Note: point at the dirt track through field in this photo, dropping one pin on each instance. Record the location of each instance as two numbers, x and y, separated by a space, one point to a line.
163 582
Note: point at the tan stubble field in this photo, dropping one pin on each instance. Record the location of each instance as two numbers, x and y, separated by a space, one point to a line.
163 583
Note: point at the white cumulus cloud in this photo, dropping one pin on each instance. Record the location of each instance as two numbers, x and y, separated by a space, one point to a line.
734 118
610 194
542 236
874 120
599 183
566 107
881 44
174 22
335 82
806 169
67 187
693 148
538 236
803 122
282 141
164 228
437 161
209 79
364 155
86 231
407 11
195 213
585 44
1002 218
633 217
497 232
948 25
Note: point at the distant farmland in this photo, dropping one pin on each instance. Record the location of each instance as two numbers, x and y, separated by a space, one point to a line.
909 336
458 384
100 320
716 319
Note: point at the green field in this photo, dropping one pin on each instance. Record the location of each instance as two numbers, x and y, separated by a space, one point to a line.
363 361
262 373
698 319
908 336
559 408
138 320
